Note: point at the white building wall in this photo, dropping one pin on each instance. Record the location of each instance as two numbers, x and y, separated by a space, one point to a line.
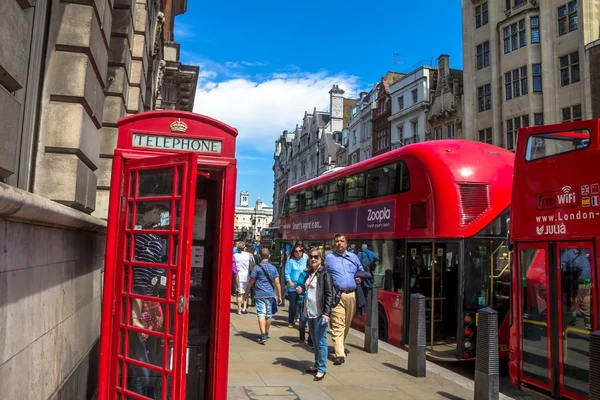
408 117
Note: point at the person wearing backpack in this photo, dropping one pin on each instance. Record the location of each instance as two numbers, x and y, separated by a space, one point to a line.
267 293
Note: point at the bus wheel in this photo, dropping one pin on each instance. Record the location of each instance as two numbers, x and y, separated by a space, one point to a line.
383 325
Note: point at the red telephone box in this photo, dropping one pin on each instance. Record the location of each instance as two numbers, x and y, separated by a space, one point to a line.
167 280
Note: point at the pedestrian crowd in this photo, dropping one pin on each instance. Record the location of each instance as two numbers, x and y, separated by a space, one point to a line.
322 288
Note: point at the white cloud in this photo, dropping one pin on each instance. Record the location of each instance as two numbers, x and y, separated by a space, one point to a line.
263 106
184 31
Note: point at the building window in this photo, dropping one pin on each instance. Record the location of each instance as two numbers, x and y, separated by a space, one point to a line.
519 2
400 129
483 55
567 18
414 96
537 77
538 119
569 69
485 135
512 128
535 29
484 98
303 168
401 102
515 83
506 40
571 113
515 36
353 138
438 133
522 34
450 131
415 127
481 15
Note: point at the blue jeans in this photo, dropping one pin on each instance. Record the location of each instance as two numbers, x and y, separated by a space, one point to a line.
141 380
264 307
318 331
293 298
303 322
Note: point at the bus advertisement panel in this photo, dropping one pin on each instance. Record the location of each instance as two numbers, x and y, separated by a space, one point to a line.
554 230
429 218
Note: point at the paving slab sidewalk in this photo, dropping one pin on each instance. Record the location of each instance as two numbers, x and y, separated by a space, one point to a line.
276 370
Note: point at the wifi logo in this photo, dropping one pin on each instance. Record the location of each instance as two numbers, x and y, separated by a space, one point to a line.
566 189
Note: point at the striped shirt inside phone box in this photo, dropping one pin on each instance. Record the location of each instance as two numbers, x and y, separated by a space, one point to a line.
148 248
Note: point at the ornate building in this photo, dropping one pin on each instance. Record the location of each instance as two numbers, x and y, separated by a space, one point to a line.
357 137
250 220
444 117
310 150
381 112
68 71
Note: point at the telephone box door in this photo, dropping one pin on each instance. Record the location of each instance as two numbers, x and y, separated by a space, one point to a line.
149 329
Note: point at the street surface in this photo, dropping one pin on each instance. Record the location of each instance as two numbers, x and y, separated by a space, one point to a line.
276 370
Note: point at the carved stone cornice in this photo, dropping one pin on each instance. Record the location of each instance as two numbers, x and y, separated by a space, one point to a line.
158 29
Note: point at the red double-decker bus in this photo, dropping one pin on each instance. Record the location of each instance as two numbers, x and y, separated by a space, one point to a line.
554 230
434 215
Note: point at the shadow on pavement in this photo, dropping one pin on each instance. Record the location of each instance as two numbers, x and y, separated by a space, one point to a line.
250 336
397 368
450 396
296 365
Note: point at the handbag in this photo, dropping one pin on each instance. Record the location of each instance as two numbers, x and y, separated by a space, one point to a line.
152 315
274 308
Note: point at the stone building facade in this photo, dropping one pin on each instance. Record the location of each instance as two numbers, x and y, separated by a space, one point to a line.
310 150
68 71
444 116
527 65
381 112
409 104
357 141
250 220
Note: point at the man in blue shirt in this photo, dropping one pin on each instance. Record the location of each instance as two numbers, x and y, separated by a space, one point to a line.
343 266
366 256
268 288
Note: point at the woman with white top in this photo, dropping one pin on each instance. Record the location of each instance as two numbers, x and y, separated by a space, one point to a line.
243 261
319 297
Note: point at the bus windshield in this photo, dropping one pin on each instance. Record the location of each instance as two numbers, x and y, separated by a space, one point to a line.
549 144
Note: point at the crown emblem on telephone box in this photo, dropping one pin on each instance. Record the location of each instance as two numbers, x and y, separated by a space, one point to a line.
179 126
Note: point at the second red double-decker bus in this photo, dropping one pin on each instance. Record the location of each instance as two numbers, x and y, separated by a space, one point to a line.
427 218
554 230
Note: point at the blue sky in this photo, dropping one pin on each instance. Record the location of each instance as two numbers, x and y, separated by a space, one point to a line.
263 66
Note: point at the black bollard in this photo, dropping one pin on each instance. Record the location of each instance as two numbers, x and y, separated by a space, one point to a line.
594 374
372 323
417 337
487 364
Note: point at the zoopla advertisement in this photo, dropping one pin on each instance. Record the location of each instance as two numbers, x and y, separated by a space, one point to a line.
377 217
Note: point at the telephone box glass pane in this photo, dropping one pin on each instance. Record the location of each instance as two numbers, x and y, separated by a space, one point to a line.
179 180
147 350
146 281
151 248
155 215
157 182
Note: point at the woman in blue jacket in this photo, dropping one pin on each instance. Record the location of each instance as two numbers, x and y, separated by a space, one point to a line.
293 268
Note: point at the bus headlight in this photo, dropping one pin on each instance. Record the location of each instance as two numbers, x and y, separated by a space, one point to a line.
467 344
